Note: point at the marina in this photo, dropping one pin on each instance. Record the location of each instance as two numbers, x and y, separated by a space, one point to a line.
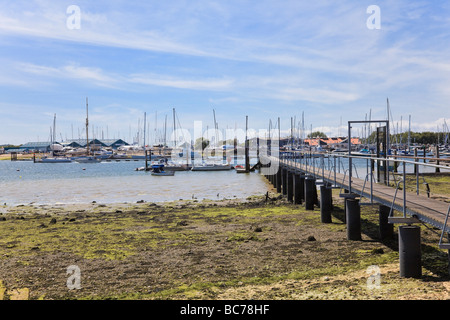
25 182
224 151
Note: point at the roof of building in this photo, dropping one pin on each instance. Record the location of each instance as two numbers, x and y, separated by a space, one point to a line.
102 142
31 145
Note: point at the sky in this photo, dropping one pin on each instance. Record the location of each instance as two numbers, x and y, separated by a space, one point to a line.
316 64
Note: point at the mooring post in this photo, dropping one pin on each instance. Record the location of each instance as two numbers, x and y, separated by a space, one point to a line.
437 159
353 219
310 186
284 181
290 186
345 206
297 189
326 203
386 229
146 161
409 251
278 179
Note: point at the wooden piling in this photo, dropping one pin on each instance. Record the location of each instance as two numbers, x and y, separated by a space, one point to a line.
290 186
386 229
353 219
326 205
310 185
437 159
410 251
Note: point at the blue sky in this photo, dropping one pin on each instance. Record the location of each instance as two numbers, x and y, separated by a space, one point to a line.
264 59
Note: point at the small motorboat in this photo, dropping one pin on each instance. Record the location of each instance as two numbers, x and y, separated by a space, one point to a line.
88 159
240 169
53 160
158 170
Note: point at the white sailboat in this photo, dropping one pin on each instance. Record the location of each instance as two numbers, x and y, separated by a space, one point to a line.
88 158
53 146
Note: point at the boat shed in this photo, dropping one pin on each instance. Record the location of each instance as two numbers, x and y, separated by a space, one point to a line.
81 143
36 147
113 143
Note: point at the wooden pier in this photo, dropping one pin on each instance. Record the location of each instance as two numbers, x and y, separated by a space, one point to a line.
299 182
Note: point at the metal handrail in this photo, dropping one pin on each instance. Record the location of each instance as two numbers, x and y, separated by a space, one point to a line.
308 161
445 226
395 196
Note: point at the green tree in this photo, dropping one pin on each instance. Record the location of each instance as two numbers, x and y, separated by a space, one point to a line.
201 142
316 134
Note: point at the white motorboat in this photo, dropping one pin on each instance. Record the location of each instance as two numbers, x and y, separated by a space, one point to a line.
88 160
211 167
53 160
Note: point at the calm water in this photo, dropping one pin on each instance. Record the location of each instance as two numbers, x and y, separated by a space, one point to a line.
25 182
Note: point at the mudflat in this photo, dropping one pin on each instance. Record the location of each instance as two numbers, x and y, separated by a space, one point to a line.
258 248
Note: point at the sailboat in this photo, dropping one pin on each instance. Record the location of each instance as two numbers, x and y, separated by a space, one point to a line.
88 158
212 166
53 159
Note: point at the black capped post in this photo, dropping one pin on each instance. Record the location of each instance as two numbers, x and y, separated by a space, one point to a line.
290 186
409 251
310 185
386 229
298 188
353 219
326 203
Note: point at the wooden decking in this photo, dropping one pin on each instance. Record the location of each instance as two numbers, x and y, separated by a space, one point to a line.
421 207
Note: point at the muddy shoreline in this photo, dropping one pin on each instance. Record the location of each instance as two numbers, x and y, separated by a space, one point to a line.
259 248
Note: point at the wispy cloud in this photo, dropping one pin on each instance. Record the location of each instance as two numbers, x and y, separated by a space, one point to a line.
72 71
273 57
164 81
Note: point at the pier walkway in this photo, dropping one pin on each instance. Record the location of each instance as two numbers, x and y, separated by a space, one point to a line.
299 175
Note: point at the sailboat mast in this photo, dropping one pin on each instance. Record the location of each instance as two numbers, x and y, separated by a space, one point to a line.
216 142
145 124
409 133
87 127
388 142
165 131
174 126
54 128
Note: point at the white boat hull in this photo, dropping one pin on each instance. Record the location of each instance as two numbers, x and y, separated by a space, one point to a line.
170 173
88 160
215 167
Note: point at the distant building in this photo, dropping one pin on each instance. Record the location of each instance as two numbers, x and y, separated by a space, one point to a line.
105 143
35 147
332 143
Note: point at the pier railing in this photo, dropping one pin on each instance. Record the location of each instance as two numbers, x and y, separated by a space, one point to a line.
339 171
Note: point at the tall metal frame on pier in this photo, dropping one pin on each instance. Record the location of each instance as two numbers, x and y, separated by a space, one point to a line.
386 142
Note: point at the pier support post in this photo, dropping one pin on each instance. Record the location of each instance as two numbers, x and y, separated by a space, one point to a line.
345 207
386 229
326 203
298 189
409 251
353 219
290 186
278 179
310 185
284 174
